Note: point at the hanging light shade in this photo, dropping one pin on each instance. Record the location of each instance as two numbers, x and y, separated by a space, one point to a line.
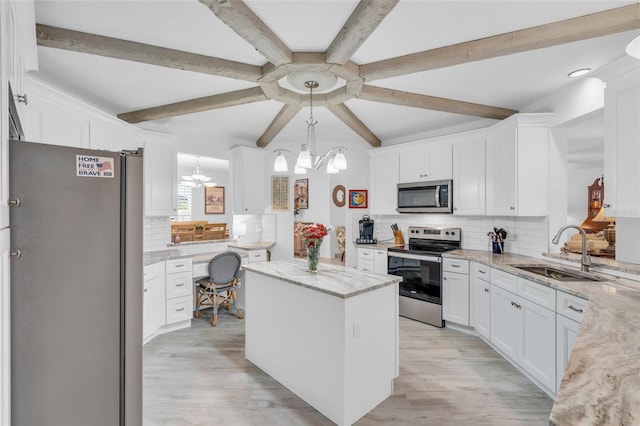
304 158
340 161
280 165
331 168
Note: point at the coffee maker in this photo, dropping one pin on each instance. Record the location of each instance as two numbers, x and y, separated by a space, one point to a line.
366 231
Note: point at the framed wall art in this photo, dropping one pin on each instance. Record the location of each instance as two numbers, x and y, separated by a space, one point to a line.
301 194
358 198
214 200
279 193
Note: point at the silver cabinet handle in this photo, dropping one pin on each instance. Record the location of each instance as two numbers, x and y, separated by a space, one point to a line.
15 202
179 285
22 99
606 205
16 253
455 265
179 266
482 272
486 290
512 208
573 308
180 309
145 290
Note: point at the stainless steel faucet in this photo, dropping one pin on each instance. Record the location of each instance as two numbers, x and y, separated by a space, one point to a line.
586 259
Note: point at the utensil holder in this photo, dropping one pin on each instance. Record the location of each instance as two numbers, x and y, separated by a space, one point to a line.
398 239
497 247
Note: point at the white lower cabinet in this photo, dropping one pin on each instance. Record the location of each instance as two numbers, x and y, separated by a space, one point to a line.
481 286
179 291
153 315
380 261
569 311
366 262
523 327
455 291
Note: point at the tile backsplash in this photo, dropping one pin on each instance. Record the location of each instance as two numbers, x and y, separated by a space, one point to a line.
157 233
525 235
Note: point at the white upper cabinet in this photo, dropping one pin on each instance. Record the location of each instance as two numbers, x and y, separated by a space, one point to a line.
426 161
621 146
248 169
384 182
517 176
19 49
160 180
469 175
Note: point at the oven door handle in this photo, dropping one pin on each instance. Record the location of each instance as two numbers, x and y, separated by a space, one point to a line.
416 257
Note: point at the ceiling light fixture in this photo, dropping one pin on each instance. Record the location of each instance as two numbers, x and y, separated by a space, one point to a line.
197 178
633 48
579 73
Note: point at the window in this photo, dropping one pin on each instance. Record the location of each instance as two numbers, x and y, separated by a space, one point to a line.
184 203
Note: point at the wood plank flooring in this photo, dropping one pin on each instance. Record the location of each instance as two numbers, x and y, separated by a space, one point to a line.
199 376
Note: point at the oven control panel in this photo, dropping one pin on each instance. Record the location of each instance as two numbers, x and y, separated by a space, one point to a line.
432 233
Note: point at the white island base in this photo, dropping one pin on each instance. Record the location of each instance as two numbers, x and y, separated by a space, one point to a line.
331 337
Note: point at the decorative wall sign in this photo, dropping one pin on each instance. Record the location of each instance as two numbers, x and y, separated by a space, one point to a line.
358 198
339 195
214 200
301 194
279 193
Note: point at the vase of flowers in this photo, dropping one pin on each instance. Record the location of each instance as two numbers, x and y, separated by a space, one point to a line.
312 236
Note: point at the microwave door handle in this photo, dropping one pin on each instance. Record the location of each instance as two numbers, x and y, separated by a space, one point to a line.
437 195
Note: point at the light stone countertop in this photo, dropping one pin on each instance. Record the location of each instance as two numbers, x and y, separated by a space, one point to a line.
330 279
601 385
598 262
262 245
163 255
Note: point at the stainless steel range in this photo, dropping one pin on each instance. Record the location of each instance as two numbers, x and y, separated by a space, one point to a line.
420 265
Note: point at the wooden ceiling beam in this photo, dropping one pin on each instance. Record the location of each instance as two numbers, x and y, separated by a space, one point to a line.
363 21
282 119
570 30
349 118
396 97
207 103
241 19
77 41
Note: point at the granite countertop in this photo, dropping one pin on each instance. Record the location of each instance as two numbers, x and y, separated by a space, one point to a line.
262 245
598 262
601 384
195 243
380 245
330 279
162 255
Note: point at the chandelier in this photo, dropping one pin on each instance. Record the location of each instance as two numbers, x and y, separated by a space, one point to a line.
307 158
197 178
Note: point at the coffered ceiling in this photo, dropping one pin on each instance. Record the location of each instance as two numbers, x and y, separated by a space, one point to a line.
401 71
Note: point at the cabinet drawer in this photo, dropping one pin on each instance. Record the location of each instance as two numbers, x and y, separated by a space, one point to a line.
178 265
537 293
179 309
455 265
257 256
481 272
153 271
504 280
366 265
200 269
179 285
364 253
571 306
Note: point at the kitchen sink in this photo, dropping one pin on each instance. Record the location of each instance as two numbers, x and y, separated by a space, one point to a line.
557 274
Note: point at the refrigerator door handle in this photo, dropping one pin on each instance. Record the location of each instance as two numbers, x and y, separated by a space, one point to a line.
17 253
15 202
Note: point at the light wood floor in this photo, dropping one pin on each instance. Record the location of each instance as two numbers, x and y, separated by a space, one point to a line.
199 376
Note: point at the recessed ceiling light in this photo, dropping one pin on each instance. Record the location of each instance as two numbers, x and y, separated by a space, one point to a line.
579 73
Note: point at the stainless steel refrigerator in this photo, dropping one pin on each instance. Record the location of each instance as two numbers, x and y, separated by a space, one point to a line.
76 286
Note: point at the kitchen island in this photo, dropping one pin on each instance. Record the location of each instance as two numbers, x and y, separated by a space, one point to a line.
330 337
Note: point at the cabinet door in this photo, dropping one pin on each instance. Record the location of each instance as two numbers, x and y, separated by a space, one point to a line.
248 171
566 333
150 311
380 261
622 151
455 298
482 308
469 177
160 181
366 259
501 172
432 161
506 322
538 350
385 175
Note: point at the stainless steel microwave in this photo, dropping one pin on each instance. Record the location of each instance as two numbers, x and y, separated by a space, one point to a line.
425 197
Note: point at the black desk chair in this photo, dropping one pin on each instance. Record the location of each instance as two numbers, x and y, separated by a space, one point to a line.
219 288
